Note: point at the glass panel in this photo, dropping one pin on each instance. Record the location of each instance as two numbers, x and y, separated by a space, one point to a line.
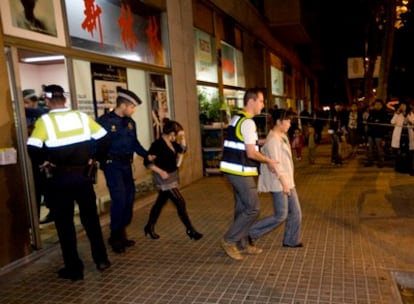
277 81
234 100
127 29
229 64
206 62
37 70
241 82
159 103
211 105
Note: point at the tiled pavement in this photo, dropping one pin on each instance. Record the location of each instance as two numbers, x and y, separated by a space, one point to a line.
358 227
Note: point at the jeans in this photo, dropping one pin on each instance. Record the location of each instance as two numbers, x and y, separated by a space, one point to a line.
246 208
335 155
286 208
375 143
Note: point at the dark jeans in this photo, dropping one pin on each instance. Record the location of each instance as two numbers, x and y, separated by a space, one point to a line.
335 156
120 182
375 143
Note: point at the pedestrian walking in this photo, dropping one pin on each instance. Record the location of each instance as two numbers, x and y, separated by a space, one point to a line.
116 165
239 163
280 184
165 152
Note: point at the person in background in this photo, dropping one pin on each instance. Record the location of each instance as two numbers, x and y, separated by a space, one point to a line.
280 184
33 112
165 152
63 142
377 122
402 138
239 163
298 141
116 165
410 121
311 144
353 128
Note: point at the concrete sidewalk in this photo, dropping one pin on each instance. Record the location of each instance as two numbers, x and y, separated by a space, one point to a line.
358 232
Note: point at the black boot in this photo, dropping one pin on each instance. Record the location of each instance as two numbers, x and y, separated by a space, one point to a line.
149 229
179 202
154 214
116 241
193 234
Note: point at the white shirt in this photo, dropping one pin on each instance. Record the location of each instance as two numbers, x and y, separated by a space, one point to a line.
278 149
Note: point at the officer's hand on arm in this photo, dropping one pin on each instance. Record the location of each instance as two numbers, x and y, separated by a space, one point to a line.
256 155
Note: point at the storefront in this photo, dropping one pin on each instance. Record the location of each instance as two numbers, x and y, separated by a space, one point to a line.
189 60
89 48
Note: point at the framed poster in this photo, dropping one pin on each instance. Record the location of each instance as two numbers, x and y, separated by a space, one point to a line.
159 103
39 20
105 80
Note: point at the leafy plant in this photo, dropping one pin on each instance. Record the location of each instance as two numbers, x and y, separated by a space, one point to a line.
212 110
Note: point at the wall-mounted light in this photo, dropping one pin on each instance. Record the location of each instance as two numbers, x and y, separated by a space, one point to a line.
43 58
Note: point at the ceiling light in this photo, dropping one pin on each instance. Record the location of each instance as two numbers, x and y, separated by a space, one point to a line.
43 58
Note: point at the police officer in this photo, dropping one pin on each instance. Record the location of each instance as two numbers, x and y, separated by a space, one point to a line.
33 112
62 141
239 162
117 165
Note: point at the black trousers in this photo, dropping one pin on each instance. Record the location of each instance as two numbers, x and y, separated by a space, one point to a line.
64 190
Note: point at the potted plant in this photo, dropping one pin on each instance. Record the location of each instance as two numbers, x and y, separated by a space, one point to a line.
211 111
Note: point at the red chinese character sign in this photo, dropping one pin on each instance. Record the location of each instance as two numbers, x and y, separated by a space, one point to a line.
92 21
127 29
126 22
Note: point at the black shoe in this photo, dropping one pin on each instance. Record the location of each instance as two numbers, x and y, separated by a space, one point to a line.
128 243
116 244
192 234
101 266
65 273
251 241
47 219
293 246
150 230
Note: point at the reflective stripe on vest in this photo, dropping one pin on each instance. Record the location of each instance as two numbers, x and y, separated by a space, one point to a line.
66 122
235 160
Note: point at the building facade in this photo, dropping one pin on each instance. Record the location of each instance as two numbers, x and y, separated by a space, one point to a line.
187 60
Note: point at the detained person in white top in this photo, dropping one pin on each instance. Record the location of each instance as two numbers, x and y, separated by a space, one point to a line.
280 184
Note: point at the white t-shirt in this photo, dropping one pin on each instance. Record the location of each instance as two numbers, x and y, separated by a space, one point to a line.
248 130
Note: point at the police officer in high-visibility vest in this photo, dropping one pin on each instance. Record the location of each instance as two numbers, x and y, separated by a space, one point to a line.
239 163
117 165
64 142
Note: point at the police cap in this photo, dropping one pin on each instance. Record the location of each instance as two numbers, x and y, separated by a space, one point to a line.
30 94
53 90
128 95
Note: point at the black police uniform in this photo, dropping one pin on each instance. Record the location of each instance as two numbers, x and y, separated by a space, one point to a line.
118 171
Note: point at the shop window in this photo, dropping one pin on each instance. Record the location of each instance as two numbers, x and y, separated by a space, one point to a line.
232 66
205 57
129 29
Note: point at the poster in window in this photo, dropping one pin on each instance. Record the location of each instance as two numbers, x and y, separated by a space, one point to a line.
159 103
35 20
105 80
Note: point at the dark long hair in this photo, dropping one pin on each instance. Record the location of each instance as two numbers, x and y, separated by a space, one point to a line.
171 126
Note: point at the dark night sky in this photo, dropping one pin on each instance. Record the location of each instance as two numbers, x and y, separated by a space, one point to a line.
341 35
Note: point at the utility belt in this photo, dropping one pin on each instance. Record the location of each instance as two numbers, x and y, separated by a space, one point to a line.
126 158
70 169
89 171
